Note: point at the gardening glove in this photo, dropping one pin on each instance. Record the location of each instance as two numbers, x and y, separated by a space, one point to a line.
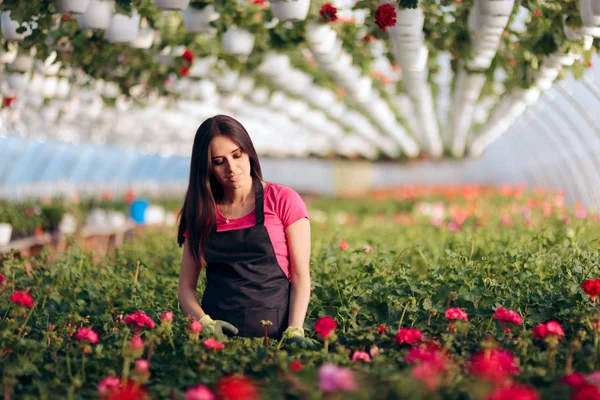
295 335
217 327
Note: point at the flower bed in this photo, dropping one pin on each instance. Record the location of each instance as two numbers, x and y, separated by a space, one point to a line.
490 297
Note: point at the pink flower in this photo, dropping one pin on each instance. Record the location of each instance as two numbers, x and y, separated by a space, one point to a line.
507 316
142 366
325 326
368 249
195 326
456 313
408 336
454 227
140 319
214 344
580 213
506 220
427 353
494 365
361 355
199 392
137 343
586 392
374 352
594 377
428 373
344 245
22 298
333 379
167 316
2 279
515 392
381 329
107 384
87 334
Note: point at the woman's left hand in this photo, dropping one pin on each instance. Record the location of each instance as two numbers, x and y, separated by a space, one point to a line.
295 335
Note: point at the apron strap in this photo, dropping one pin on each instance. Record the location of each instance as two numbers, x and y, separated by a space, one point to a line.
259 205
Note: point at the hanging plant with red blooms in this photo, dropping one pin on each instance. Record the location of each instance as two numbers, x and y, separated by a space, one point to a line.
187 59
328 13
385 16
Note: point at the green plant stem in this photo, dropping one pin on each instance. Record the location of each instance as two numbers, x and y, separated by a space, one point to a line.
402 316
83 367
26 319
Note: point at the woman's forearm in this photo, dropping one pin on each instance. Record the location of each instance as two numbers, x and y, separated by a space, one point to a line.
189 303
299 299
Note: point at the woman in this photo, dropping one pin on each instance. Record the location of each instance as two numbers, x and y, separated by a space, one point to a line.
253 238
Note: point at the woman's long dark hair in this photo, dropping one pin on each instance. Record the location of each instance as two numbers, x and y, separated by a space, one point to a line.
198 215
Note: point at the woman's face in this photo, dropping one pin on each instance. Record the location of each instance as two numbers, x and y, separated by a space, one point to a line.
229 164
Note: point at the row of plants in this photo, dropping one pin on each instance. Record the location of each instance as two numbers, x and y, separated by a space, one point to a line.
445 30
505 307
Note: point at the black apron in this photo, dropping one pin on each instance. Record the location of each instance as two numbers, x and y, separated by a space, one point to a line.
244 282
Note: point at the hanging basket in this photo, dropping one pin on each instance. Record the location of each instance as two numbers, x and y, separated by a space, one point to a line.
72 6
495 7
409 22
123 29
10 26
171 5
290 10
18 82
238 42
98 15
198 20
5 233
589 18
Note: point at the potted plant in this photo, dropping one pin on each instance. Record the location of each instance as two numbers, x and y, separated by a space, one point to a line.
495 7
15 30
171 5
198 16
239 24
97 16
72 6
290 10
123 28
5 225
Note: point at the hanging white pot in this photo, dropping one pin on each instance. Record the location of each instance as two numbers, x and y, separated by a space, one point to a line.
202 66
18 82
589 18
204 90
123 28
72 6
22 63
198 20
97 16
144 39
238 41
173 5
10 26
409 22
7 57
63 89
495 7
290 10
5 233
50 87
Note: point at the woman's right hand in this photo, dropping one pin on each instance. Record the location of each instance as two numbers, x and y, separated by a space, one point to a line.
217 327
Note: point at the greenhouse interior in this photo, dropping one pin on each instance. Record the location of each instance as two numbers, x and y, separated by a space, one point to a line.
300 199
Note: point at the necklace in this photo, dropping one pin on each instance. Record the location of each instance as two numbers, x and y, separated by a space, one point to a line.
227 219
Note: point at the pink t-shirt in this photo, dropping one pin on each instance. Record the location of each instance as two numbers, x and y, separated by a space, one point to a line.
283 207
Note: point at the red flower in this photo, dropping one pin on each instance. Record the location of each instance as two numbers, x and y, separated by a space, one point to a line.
537 13
494 365
586 392
87 334
550 328
507 316
591 287
344 245
590 64
296 366
456 313
574 380
22 298
188 56
515 392
137 343
381 329
408 336
140 319
236 387
8 100
427 353
183 71
369 38
325 326
128 391
385 16
328 13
